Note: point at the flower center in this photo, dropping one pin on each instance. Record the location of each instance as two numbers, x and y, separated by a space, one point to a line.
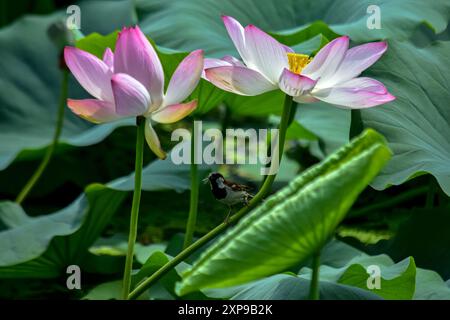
297 62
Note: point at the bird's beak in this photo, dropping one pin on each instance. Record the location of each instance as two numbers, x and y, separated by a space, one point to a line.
206 180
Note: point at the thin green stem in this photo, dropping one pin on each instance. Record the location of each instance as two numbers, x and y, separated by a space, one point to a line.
48 154
314 284
292 114
225 119
135 207
288 119
192 218
265 189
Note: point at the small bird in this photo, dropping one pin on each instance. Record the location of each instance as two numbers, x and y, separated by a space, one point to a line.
228 192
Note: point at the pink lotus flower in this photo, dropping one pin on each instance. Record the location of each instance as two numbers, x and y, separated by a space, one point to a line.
130 83
331 76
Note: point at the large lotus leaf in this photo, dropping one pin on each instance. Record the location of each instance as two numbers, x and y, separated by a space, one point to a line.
292 287
41 247
343 275
424 36
339 259
30 81
397 281
430 286
417 123
104 16
199 24
292 224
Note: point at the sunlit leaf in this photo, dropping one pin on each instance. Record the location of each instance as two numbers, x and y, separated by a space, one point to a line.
396 281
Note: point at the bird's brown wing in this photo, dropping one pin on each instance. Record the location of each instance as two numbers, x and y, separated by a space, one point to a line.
237 187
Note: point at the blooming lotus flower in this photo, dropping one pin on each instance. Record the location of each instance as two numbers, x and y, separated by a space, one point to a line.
331 76
130 83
